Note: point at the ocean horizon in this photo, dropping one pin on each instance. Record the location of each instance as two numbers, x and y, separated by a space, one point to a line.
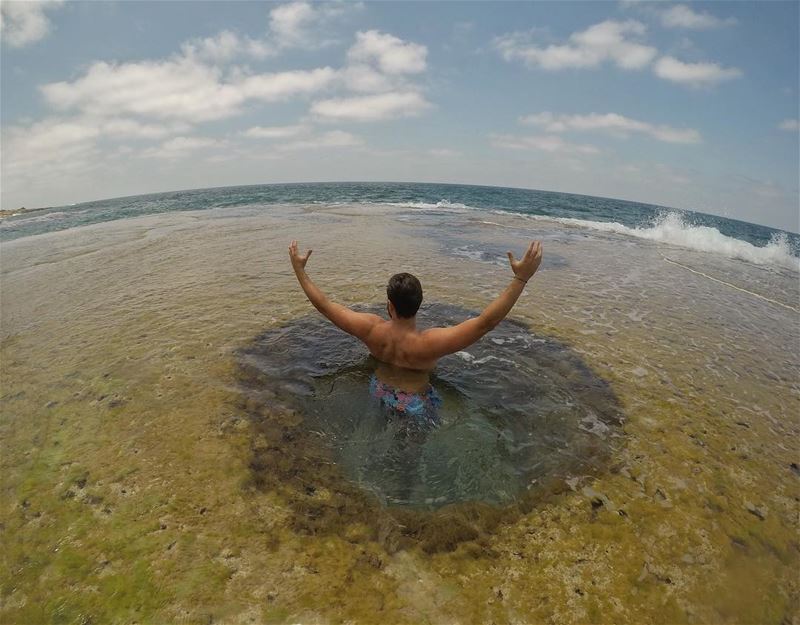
695 230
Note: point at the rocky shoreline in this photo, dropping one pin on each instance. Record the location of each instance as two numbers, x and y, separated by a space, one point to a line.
11 212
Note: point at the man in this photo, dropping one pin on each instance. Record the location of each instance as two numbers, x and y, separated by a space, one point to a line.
405 354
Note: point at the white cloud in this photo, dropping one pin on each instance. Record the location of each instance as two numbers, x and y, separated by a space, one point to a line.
275 132
148 100
289 22
27 149
391 54
332 139
608 41
372 107
613 42
180 147
301 24
683 16
180 88
45 142
790 125
283 85
693 74
225 46
23 23
51 154
57 151
444 153
134 129
188 143
543 143
629 169
291 25
159 101
611 122
380 62
364 78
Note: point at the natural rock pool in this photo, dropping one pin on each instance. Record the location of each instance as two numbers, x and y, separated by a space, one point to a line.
519 412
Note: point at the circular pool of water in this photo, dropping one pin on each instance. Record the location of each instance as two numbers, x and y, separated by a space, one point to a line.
518 411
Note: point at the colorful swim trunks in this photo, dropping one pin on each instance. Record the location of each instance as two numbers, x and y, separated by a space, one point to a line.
421 407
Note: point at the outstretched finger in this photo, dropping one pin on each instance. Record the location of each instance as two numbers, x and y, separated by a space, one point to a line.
510 257
308 253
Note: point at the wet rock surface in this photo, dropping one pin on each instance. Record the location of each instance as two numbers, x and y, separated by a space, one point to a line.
153 314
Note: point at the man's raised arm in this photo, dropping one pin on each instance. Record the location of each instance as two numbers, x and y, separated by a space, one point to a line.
439 342
352 322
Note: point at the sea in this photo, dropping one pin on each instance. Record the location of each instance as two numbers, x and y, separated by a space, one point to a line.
694 230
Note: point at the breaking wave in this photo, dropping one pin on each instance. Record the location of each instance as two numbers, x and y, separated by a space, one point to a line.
441 205
671 228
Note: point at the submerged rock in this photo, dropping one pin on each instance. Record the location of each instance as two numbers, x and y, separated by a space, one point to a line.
754 510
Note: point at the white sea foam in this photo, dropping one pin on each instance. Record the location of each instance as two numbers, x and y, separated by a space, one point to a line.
441 205
26 219
467 357
671 228
465 252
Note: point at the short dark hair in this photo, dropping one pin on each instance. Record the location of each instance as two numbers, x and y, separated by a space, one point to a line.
405 293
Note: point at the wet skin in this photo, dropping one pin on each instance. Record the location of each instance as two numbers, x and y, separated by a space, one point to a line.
408 355
402 378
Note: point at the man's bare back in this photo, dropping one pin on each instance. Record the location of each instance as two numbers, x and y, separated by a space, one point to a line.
407 355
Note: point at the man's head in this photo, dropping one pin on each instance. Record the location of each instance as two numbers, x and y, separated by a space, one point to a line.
405 294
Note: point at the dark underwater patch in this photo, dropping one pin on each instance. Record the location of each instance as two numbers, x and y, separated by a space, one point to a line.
522 413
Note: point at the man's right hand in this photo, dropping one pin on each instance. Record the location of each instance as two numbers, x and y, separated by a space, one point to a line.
298 260
529 263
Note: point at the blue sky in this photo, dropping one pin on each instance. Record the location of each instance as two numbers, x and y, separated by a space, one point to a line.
691 105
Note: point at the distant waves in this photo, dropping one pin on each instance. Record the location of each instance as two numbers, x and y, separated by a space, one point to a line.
667 227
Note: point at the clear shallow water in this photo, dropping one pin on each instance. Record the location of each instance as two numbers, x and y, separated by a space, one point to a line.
728 237
143 483
519 411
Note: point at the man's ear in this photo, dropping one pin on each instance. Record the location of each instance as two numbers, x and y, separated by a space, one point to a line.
390 309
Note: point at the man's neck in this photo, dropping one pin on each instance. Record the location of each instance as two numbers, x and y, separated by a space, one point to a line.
408 324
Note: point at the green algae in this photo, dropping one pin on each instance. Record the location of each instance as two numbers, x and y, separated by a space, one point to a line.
168 523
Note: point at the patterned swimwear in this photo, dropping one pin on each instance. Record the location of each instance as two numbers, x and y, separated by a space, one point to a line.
422 408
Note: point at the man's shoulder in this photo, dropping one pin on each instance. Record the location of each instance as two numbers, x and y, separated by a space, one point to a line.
378 326
377 321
